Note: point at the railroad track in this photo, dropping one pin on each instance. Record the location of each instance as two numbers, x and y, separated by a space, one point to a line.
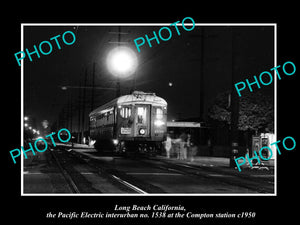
130 183
241 180
65 174
66 161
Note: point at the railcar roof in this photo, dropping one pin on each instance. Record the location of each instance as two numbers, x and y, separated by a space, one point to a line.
136 97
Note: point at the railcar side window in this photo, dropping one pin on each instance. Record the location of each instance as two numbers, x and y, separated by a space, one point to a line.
92 121
125 112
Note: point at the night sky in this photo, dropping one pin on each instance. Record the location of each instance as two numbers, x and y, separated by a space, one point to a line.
179 61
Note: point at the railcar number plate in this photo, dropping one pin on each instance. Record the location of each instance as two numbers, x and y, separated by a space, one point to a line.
125 130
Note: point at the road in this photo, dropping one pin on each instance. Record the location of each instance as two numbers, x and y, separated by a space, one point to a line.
83 170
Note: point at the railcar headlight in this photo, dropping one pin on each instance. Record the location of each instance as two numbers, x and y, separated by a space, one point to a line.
159 123
115 141
142 131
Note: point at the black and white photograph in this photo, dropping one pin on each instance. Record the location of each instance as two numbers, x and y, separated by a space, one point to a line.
148 109
138 118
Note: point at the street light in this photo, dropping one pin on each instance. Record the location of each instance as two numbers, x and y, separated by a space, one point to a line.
121 62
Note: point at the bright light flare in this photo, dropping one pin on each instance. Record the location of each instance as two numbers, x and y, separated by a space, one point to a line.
159 123
115 141
121 61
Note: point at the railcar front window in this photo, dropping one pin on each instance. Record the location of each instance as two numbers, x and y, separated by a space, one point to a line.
125 112
159 113
141 114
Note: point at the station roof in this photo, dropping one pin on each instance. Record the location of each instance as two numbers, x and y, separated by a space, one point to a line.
183 124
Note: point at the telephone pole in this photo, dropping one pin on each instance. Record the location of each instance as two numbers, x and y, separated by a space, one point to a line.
79 112
118 85
83 108
234 99
93 87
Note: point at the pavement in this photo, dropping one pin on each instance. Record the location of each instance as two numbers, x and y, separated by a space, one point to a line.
42 176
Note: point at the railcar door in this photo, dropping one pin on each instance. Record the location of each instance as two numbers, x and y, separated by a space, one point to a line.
142 121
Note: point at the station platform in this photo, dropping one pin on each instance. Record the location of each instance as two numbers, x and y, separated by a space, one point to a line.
214 163
221 165
211 161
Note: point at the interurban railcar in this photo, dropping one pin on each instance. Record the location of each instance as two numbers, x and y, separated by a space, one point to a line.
130 123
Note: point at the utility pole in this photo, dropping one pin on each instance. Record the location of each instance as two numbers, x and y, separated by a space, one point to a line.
93 87
234 99
70 116
71 109
79 113
69 112
202 37
118 85
201 75
83 108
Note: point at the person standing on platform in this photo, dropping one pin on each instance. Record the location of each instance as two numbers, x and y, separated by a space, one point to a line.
182 144
168 145
188 146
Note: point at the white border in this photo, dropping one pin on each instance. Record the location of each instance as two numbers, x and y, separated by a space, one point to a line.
22 111
275 107
148 24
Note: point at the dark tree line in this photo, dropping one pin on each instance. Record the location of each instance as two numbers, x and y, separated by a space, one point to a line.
256 111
